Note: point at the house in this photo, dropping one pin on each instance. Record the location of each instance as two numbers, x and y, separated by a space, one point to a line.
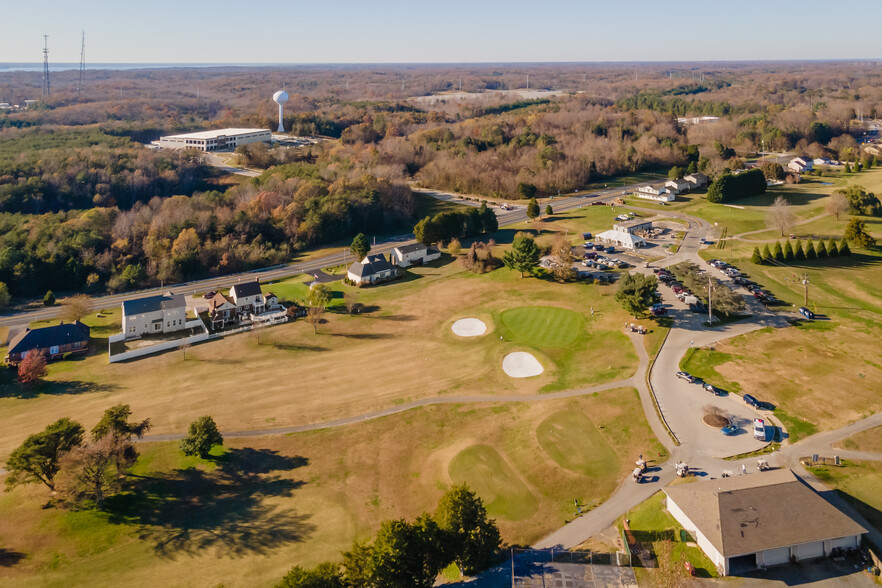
652 193
749 522
696 181
222 311
800 164
677 186
51 341
165 313
414 254
636 226
373 269
625 235
248 298
822 161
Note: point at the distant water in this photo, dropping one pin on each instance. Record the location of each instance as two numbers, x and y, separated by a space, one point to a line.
38 67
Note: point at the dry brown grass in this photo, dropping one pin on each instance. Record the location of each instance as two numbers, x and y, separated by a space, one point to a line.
357 364
869 440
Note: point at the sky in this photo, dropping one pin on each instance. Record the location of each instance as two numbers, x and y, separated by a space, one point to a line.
453 31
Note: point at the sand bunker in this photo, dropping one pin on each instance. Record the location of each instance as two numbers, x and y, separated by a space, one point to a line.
521 364
469 327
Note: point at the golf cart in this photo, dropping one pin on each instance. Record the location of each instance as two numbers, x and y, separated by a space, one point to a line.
762 464
682 469
637 475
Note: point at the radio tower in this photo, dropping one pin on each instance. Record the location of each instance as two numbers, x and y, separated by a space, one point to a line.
82 80
45 66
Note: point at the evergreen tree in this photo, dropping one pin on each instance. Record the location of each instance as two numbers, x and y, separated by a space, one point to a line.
810 252
843 247
767 255
798 252
756 257
49 299
788 251
472 537
524 254
360 246
832 250
778 252
856 232
532 209
821 249
548 210
201 437
847 168
636 292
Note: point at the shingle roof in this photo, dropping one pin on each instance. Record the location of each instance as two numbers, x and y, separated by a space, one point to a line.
746 514
412 248
246 289
44 337
165 301
372 264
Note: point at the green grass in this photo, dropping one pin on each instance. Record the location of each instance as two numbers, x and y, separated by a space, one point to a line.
701 362
504 493
543 326
796 427
574 442
651 523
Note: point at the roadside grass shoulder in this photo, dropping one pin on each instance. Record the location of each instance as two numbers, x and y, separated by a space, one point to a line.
869 440
858 482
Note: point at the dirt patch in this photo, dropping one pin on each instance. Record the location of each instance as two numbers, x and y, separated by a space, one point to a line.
715 420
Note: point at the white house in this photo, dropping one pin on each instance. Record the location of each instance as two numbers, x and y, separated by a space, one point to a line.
373 269
697 181
417 253
800 164
152 315
248 298
677 186
749 522
653 193
621 239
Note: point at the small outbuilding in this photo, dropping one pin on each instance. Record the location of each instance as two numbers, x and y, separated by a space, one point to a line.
53 342
414 254
748 522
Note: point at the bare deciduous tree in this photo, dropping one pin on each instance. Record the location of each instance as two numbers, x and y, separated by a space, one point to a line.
314 317
837 204
91 472
351 302
780 217
562 257
75 308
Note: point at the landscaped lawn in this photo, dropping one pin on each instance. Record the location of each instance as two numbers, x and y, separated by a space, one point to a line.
651 524
262 505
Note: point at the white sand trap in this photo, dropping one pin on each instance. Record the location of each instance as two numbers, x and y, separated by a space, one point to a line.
469 327
521 364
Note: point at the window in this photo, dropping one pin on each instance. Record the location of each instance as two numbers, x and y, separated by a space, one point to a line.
157 326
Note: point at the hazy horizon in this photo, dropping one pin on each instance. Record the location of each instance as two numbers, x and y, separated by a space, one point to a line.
459 32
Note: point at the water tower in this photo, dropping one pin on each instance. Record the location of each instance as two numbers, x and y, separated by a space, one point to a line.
280 98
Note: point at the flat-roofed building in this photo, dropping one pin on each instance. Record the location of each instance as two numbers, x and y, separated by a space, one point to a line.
215 140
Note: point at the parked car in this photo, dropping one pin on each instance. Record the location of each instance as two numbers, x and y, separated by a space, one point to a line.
589 244
591 255
713 390
751 401
729 430
598 203
698 307
658 310
759 429
209 295
806 313
598 247
685 376
610 249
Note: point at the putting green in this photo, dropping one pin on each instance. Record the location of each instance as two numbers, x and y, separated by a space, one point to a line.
573 441
504 493
543 326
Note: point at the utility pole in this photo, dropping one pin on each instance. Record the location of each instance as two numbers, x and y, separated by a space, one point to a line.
805 284
82 81
710 290
45 66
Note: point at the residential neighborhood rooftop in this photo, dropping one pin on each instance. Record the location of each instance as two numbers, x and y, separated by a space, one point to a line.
56 335
153 303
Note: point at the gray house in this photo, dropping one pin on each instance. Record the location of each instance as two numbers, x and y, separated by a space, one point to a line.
153 315
373 269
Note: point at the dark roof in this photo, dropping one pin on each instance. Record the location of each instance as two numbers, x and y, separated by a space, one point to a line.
45 337
218 300
246 289
746 514
153 303
373 264
413 247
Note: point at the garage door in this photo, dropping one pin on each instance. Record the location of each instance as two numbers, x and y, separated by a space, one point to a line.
845 542
810 550
773 557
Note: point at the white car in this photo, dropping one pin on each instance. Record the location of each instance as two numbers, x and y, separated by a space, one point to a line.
759 429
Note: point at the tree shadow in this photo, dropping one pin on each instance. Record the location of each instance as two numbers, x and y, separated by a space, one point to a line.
11 388
9 558
189 511
298 347
397 317
363 336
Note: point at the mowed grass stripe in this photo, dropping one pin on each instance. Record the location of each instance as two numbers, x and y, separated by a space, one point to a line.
574 442
543 326
486 472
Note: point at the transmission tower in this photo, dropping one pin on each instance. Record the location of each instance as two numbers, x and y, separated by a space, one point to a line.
45 66
82 80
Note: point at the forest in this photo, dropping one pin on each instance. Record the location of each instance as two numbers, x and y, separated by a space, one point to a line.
84 205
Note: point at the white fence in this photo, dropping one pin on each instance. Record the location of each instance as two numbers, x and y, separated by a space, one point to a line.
164 346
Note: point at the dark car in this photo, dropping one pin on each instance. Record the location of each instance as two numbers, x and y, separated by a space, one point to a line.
751 401
610 249
598 203
598 247
658 310
685 376
698 307
806 313
209 295
729 430
590 255
713 390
